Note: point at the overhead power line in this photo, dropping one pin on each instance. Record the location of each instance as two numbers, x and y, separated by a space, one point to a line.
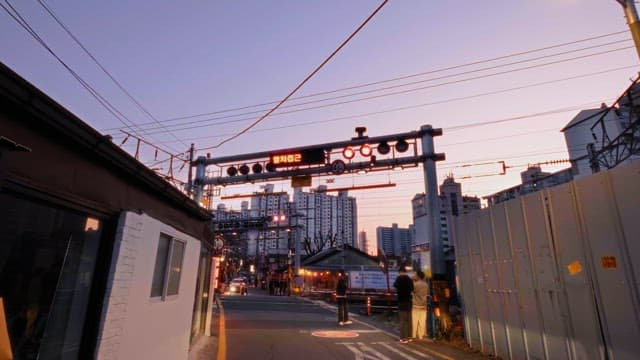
303 81
213 121
20 20
394 93
104 70
15 15
438 102
516 54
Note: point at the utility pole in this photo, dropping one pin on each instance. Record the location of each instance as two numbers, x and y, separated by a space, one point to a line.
631 14
190 175
436 248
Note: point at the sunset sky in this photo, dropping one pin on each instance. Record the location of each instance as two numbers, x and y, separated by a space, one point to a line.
185 58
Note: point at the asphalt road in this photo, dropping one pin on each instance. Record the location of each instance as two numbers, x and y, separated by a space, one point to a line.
259 326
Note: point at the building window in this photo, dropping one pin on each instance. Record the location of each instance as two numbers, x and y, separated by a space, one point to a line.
168 267
48 257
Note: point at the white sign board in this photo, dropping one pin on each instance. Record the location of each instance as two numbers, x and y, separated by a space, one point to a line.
371 279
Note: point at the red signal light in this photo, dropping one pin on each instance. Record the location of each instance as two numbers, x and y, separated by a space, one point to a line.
348 153
365 150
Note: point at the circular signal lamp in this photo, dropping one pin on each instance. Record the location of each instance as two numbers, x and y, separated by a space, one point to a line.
257 168
271 167
402 145
384 148
338 167
348 153
232 171
365 150
283 218
244 169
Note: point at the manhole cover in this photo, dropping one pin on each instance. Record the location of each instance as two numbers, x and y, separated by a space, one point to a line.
335 334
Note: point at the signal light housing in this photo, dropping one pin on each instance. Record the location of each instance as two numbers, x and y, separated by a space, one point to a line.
365 150
257 168
402 145
232 171
270 167
348 153
244 169
384 148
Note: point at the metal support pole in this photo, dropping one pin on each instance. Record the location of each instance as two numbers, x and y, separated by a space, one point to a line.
631 14
190 175
433 202
297 237
198 182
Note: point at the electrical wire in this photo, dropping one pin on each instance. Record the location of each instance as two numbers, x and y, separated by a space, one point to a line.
18 18
439 102
104 70
243 131
502 57
213 122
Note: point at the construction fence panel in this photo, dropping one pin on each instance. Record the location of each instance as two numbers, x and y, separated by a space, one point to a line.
556 274
485 324
524 277
495 301
585 339
545 279
508 290
611 260
464 273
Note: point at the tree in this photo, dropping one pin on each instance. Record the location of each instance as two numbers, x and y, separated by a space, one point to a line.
319 242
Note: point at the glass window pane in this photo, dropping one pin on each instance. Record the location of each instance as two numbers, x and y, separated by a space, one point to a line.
47 260
160 268
177 253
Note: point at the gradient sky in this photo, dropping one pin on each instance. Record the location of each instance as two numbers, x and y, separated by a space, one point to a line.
190 57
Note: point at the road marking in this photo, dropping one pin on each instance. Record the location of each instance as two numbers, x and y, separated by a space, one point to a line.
335 334
391 348
359 354
367 331
222 334
433 352
372 350
438 354
417 353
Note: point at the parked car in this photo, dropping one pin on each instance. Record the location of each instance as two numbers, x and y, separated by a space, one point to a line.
238 286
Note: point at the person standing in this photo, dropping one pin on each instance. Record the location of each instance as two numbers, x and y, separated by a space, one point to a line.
419 306
341 297
404 288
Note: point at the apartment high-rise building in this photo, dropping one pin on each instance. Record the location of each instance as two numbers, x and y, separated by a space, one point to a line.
394 241
325 220
452 203
275 206
363 242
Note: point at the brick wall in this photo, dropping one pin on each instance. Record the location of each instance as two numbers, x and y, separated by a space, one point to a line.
128 234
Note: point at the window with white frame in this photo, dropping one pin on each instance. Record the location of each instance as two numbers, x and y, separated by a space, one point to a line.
168 267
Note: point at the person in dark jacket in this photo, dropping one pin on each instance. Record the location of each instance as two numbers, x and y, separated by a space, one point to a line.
404 288
341 297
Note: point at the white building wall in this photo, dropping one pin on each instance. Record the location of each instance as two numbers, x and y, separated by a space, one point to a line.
134 326
577 137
